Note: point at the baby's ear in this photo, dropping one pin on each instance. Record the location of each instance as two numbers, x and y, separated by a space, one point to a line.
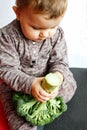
17 12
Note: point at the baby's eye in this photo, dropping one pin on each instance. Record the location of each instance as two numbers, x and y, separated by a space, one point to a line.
36 28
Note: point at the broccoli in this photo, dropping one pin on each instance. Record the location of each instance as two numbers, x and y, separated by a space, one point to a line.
38 113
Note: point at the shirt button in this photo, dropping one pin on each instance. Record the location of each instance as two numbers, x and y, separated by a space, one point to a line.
34 52
33 61
31 66
33 43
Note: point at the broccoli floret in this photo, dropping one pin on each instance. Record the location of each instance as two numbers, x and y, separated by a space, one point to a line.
24 107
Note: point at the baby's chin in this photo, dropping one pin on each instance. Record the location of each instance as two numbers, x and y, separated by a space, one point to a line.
38 40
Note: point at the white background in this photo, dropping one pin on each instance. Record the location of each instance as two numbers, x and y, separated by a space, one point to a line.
74 25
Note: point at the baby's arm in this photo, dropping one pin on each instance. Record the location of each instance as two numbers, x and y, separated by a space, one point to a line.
11 72
59 63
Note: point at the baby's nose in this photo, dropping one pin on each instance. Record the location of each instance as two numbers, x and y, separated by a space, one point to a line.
44 34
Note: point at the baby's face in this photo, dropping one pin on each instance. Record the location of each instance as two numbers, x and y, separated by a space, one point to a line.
35 26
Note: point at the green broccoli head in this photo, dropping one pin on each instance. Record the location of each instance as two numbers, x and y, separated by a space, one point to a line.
38 113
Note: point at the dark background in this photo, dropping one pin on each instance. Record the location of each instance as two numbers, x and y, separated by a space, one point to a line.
75 118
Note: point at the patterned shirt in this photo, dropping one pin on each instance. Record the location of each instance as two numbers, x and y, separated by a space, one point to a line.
21 60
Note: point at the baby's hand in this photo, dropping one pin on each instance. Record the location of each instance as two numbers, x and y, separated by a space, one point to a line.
38 92
54 93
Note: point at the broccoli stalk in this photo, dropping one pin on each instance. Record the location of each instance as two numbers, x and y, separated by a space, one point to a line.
38 113
50 82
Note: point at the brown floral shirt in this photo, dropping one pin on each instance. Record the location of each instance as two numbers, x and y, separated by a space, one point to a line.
21 60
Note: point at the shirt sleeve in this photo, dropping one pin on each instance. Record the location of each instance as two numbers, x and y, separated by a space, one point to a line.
10 69
59 62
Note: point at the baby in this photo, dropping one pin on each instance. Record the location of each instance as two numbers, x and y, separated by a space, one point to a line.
31 46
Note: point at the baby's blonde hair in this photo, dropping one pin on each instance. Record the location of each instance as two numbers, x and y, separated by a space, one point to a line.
55 8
